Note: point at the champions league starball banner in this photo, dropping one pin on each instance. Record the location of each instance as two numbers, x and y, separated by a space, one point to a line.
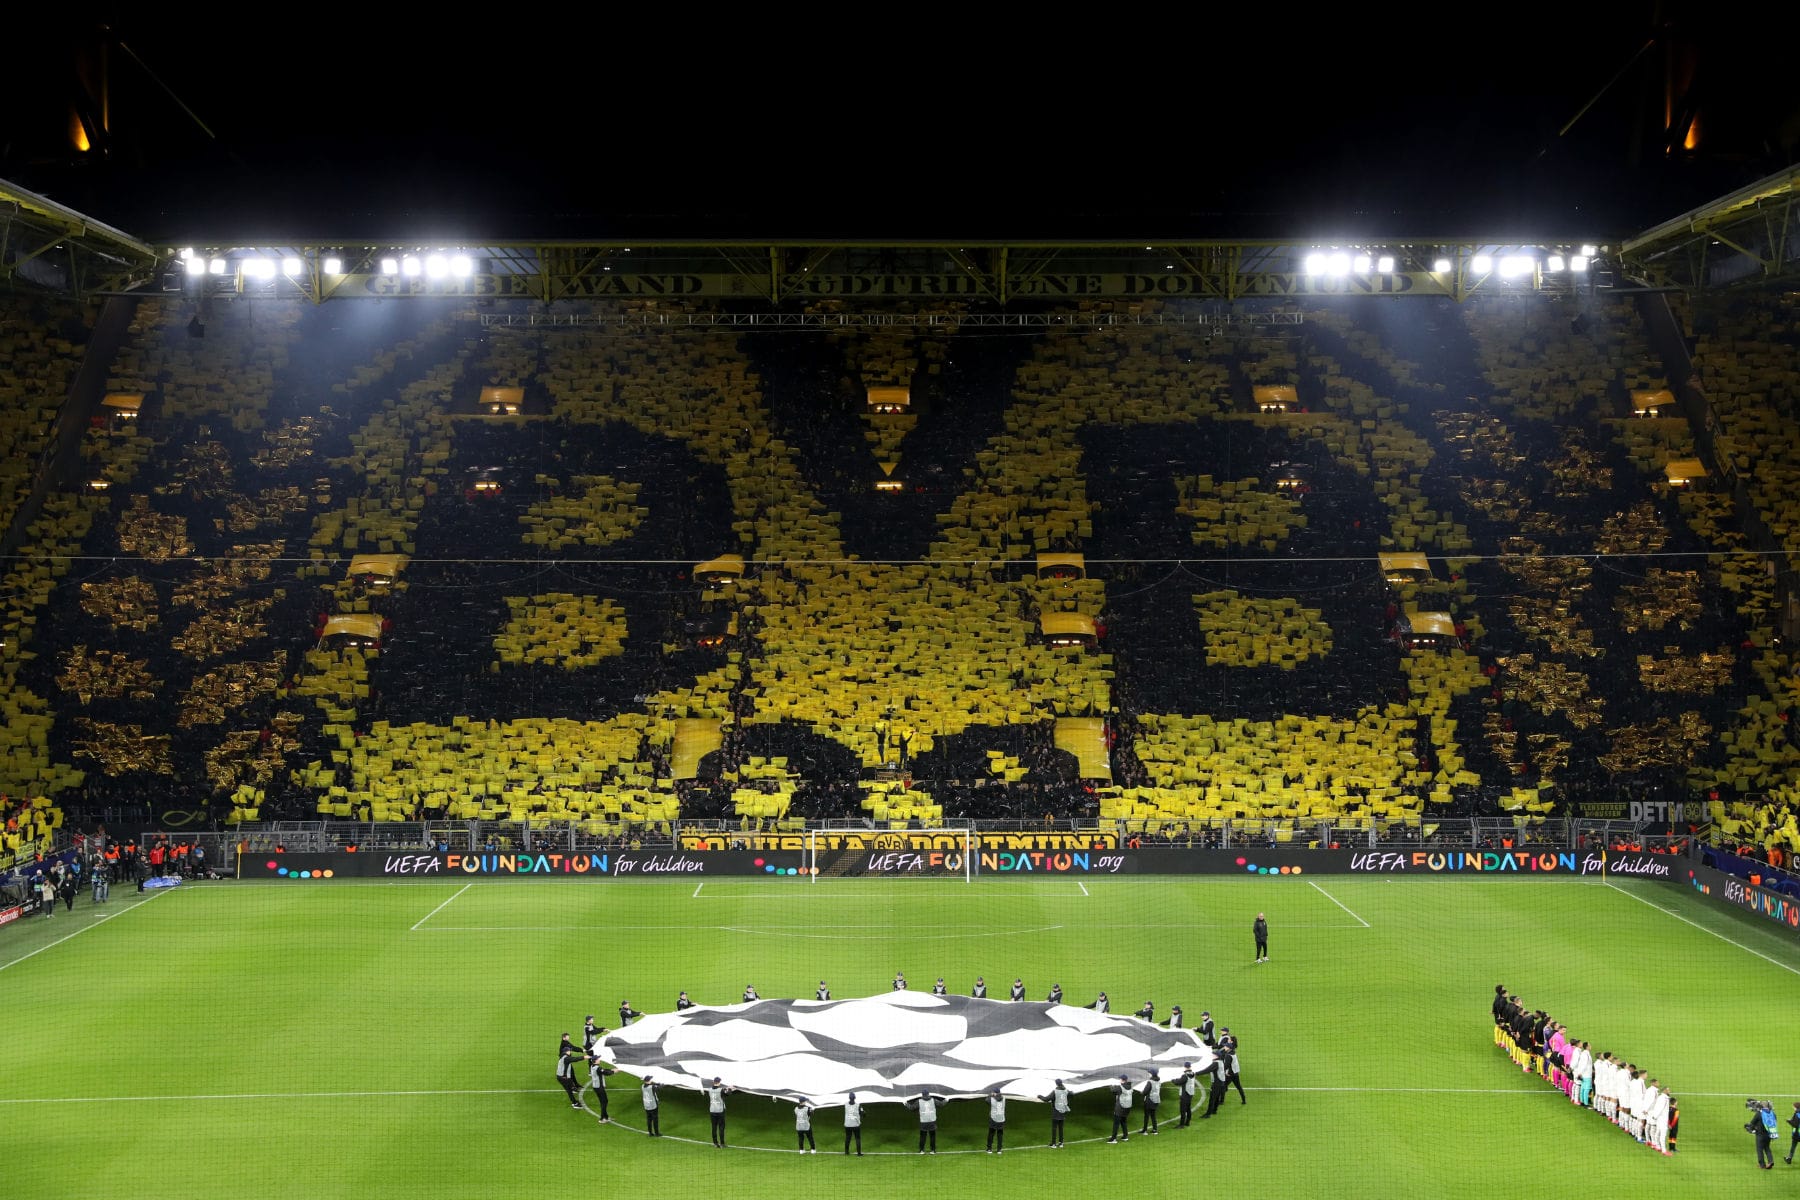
898 1045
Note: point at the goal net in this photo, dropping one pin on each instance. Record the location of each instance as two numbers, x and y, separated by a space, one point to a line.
900 854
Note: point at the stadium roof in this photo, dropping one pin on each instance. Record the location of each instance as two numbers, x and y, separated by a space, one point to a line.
635 126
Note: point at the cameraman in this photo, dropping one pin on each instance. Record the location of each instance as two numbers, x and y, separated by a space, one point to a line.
1762 1126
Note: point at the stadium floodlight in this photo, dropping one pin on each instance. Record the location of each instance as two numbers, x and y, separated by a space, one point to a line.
1481 264
187 253
462 266
409 265
1514 265
1554 263
1315 263
1363 263
1441 265
1587 252
1385 264
1340 263
436 266
291 266
1579 263
195 265
334 266
216 266
390 266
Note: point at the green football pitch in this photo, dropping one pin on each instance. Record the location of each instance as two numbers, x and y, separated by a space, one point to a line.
339 1038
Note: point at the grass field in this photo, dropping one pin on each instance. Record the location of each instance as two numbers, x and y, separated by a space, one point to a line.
396 1039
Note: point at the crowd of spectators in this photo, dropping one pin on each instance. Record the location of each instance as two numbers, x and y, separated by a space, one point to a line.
1606 647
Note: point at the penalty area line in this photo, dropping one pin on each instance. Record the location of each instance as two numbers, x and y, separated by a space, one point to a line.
697 888
1703 929
1082 886
1340 904
440 908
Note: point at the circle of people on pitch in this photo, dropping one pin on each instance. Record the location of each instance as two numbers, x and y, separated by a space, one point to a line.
1146 1094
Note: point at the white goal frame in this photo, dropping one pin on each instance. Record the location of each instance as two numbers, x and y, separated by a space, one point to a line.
963 835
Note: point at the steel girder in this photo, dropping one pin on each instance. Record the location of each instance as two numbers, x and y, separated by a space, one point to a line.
1748 236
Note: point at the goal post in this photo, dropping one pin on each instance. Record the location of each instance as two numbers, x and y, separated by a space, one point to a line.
950 852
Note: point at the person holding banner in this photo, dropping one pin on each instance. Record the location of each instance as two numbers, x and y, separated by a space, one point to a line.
597 1073
715 1093
1185 1089
652 1107
927 1106
803 1130
1121 1126
1060 1100
566 1055
853 1123
996 1138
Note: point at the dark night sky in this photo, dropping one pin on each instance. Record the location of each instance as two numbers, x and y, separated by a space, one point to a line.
343 124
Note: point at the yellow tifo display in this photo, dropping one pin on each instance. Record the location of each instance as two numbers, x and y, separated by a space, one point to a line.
1291 768
549 768
560 630
1254 631
1236 512
940 647
600 511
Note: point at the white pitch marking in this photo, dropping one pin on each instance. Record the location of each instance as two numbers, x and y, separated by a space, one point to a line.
614 927
1339 903
285 1096
851 893
1703 929
362 1095
1082 886
697 888
440 908
857 937
103 920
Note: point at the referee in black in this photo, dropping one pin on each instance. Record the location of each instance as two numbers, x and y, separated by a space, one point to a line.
1261 929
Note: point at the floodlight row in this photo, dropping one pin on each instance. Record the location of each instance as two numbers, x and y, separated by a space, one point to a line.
1511 266
256 266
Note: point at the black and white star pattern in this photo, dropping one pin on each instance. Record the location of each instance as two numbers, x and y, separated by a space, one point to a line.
898 1045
